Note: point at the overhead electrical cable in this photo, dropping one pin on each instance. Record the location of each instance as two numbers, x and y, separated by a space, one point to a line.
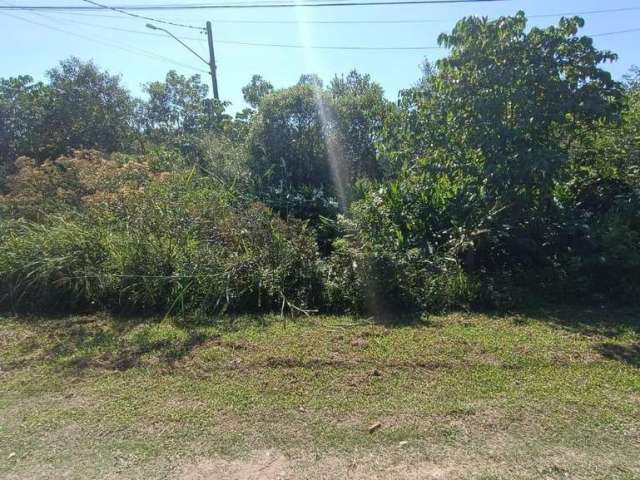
326 47
420 20
259 44
585 12
141 17
616 32
299 46
275 4
386 21
133 50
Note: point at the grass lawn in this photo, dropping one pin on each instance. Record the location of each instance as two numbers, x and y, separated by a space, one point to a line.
546 395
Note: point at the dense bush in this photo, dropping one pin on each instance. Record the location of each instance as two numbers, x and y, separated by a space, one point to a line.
147 242
490 182
377 266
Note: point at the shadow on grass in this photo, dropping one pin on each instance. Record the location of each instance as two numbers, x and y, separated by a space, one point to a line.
132 354
98 341
629 354
606 322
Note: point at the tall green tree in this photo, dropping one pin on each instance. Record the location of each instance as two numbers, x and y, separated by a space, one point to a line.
86 108
175 106
484 147
308 137
287 142
498 109
255 90
311 80
178 113
81 106
503 94
360 112
22 107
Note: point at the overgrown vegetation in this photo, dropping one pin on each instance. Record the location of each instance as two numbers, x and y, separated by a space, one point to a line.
509 173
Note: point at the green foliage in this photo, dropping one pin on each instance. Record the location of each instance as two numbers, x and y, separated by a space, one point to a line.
256 90
518 87
87 108
311 80
258 263
509 171
223 159
22 105
309 145
286 141
289 152
481 144
372 269
177 110
49 267
176 105
603 187
80 107
360 112
148 242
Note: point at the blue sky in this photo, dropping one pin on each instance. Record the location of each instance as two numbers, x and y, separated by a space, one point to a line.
27 48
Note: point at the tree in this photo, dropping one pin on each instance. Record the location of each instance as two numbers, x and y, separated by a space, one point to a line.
505 94
498 108
80 107
308 138
86 108
604 167
178 111
311 80
256 90
484 148
427 72
287 142
175 106
22 107
360 111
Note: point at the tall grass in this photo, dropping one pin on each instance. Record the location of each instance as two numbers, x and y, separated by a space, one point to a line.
169 242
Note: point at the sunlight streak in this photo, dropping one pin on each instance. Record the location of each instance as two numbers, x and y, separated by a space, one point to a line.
328 119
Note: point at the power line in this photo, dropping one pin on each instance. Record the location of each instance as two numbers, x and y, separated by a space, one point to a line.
350 22
259 44
308 3
274 45
300 46
346 47
136 51
587 12
419 20
325 47
141 17
126 30
617 32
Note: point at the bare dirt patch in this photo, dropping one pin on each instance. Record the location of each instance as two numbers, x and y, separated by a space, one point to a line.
271 465
264 465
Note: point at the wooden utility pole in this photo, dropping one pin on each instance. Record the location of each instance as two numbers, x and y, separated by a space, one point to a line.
212 62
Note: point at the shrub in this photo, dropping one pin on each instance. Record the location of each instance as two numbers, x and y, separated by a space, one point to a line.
70 184
366 276
147 243
257 262
54 266
223 159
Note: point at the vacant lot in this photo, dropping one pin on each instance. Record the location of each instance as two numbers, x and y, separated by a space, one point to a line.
545 395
